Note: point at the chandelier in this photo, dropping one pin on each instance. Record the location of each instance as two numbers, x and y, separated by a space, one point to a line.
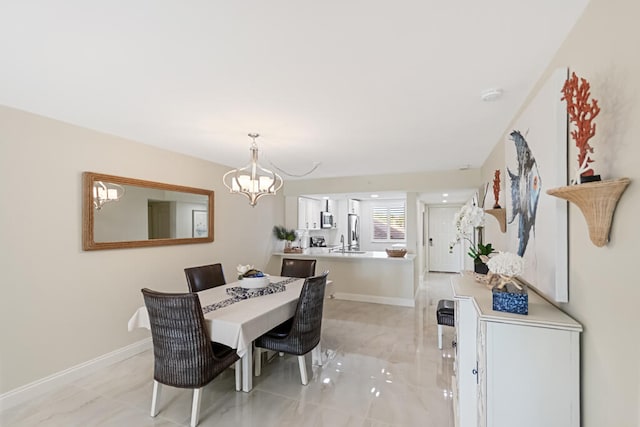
253 180
105 192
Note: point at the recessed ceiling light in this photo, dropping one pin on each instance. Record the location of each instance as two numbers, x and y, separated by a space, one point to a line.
492 94
444 201
375 196
445 194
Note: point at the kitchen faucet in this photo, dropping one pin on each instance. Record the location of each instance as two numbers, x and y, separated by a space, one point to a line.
342 242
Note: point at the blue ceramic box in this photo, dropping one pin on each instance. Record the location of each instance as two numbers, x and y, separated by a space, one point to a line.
511 299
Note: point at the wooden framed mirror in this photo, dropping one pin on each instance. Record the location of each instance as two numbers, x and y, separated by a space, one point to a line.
122 212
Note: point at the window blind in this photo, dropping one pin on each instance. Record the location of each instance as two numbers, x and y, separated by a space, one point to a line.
389 223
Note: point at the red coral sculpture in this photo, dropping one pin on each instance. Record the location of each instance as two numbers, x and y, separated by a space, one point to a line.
581 112
496 188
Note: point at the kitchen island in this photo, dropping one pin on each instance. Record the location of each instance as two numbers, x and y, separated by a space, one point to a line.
369 276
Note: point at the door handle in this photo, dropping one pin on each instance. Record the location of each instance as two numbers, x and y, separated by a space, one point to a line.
474 371
430 241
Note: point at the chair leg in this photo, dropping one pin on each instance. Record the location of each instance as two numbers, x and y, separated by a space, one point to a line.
440 337
195 406
303 370
317 355
257 368
238 368
155 398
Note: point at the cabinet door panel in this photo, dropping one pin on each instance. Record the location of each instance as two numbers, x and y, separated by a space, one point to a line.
482 374
467 318
313 210
529 376
309 213
302 214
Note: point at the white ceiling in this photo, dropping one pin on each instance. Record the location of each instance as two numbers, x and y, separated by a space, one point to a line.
362 87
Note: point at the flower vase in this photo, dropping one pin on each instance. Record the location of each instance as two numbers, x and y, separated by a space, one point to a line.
480 267
480 235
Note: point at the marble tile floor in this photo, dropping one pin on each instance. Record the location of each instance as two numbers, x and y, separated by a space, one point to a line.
382 368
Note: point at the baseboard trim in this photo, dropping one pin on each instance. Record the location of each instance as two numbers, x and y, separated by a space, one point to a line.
404 302
32 390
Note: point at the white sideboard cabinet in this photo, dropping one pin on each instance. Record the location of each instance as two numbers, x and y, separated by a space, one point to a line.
514 370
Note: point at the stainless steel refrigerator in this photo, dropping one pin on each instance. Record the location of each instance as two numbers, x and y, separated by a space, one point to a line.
353 232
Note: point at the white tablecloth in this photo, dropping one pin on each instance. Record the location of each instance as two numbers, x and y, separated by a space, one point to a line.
238 324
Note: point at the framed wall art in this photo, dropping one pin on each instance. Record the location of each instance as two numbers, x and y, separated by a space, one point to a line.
536 160
200 223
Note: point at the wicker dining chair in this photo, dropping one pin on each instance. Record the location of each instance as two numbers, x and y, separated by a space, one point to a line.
204 277
303 268
300 334
184 355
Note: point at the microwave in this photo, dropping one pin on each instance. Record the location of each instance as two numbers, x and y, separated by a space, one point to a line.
326 220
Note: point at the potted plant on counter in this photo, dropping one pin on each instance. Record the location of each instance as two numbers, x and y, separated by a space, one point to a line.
480 257
289 236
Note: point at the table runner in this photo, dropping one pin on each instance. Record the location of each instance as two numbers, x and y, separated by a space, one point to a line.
239 294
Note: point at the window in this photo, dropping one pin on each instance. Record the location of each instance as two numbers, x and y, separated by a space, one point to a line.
388 222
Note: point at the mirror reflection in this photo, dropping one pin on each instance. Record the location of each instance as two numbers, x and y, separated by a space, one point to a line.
104 192
124 212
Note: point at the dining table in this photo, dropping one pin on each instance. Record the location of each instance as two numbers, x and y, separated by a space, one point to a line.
236 316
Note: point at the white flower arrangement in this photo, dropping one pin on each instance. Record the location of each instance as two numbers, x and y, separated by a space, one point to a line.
506 264
468 218
465 221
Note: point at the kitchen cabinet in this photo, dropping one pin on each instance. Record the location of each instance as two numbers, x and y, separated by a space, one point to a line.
514 369
354 206
309 213
331 206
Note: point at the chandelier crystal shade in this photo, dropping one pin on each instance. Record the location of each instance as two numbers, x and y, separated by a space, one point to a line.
253 180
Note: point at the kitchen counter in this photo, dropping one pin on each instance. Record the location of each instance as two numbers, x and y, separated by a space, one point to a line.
324 253
370 276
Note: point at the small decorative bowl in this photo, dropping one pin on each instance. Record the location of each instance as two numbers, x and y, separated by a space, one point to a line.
255 282
396 253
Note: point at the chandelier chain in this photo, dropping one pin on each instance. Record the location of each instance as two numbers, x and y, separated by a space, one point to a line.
315 166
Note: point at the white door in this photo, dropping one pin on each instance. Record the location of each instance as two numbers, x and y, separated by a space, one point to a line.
441 234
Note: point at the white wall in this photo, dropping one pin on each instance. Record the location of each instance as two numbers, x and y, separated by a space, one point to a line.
426 182
604 288
61 306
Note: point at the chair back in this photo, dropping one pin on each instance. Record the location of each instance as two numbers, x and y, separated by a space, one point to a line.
204 277
293 267
183 355
307 321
